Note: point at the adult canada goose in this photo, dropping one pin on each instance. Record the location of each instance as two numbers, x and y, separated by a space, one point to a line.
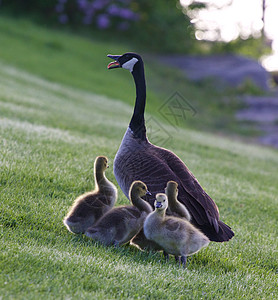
175 235
138 159
175 208
121 224
89 207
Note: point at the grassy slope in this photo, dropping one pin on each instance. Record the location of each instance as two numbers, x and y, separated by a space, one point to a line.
53 123
81 63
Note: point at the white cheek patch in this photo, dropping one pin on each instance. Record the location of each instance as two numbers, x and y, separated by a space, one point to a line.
130 64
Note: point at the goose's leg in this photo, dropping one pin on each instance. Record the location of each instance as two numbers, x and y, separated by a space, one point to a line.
178 259
166 256
116 244
183 261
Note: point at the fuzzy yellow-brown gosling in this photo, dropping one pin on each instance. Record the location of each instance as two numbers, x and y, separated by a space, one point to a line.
91 206
121 224
175 235
175 208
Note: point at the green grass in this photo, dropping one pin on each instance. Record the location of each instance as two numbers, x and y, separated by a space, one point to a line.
81 63
58 111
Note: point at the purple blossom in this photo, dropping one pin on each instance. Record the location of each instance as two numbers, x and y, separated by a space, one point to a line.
63 19
113 10
90 10
59 7
103 21
99 4
87 20
123 26
126 2
82 4
101 13
127 14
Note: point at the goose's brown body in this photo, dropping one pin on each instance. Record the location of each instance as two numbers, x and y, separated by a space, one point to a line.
139 159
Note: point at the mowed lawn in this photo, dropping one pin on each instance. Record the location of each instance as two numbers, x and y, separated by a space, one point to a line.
54 122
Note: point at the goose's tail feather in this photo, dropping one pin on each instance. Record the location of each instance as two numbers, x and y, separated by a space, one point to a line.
224 234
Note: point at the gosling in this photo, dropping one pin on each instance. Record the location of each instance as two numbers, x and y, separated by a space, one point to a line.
91 206
175 208
175 235
121 224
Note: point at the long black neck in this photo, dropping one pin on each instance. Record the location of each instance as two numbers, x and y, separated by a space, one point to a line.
137 122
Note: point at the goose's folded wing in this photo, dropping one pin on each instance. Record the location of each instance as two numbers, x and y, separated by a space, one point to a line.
97 201
132 212
200 204
172 225
155 167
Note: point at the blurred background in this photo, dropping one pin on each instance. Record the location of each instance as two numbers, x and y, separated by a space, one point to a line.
185 26
231 43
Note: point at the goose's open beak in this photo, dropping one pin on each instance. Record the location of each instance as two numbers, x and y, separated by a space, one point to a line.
114 64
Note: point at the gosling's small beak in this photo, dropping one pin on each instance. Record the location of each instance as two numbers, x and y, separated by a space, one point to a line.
107 166
114 64
148 193
158 205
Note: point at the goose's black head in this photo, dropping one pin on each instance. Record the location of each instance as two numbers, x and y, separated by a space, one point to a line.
127 61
